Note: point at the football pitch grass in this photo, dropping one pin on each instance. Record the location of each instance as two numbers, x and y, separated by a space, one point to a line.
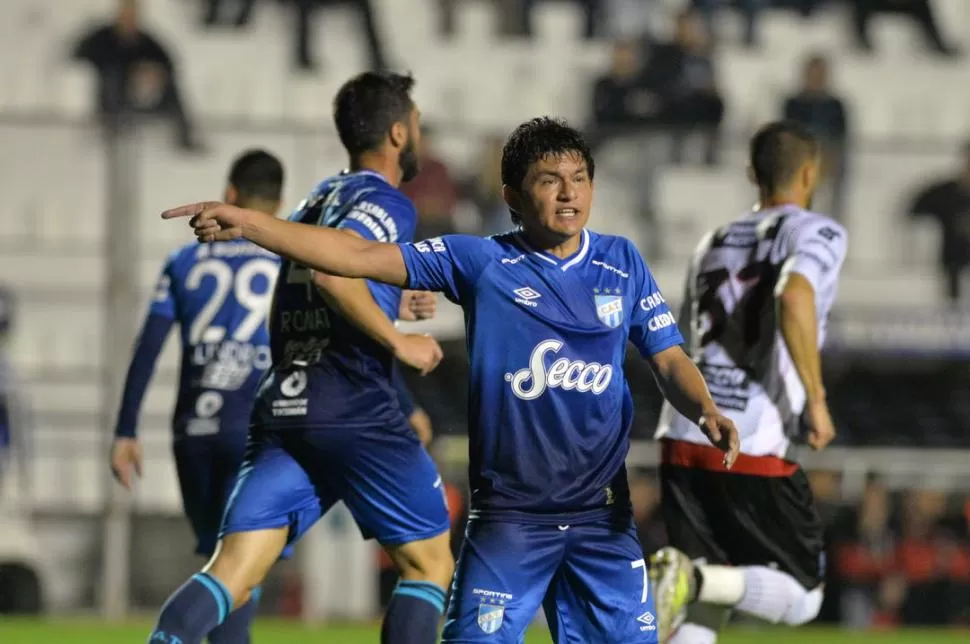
32 631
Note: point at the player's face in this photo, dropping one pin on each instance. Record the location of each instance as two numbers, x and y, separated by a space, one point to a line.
556 196
409 160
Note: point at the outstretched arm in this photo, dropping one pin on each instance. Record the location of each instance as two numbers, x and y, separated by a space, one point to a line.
322 249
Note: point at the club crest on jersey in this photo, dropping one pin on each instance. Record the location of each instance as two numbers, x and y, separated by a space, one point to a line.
609 309
490 617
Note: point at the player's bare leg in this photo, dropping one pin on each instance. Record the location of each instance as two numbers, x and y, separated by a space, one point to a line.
239 565
426 568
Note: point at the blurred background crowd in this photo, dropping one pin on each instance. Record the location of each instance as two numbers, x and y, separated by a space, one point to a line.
92 91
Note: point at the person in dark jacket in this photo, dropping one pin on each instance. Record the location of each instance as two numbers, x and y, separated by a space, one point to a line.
816 107
135 72
948 202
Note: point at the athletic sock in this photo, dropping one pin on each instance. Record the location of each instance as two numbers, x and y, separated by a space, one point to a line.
235 630
768 593
693 634
413 613
192 611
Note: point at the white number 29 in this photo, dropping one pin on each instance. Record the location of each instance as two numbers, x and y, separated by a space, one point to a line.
642 565
256 304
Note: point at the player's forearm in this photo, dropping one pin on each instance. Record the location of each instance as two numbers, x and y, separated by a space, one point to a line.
682 384
353 300
149 347
327 249
797 321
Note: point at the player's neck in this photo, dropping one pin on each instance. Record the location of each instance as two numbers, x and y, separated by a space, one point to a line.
554 245
767 202
379 163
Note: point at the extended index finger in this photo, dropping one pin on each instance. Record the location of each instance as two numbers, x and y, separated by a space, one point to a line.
189 210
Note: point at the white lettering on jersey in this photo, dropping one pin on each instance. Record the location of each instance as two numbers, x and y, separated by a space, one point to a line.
376 220
530 383
652 301
612 269
513 260
661 321
433 245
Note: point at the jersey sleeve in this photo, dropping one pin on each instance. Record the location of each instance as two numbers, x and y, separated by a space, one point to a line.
818 252
382 217
163 302
449 264
653 327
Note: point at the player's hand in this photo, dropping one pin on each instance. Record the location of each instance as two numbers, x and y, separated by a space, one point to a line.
720 430
126 458
821 429
417 305
212 220
418 350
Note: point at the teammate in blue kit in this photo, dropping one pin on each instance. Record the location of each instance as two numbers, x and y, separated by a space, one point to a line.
549 309
327 424
219 295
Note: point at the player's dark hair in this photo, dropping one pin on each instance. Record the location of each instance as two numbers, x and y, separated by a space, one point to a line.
537 139
778 150
366 107
257 174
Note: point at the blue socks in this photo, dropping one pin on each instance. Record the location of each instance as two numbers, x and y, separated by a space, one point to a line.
235 630
413 613
195 609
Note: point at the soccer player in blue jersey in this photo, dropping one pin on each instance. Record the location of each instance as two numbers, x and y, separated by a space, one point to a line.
219 296
327 424
549 309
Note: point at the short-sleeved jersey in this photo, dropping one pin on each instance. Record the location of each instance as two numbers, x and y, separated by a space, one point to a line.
327 372
549 407
730 320
220 296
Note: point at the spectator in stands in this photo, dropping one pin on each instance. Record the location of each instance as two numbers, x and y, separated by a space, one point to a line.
863 550
6 405
818 108
685 71
215 12
920 559
623 98
919 10
433 192
749 8
949 202
485 188
135 73
305 12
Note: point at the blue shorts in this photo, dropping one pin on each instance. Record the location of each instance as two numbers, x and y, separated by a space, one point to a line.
290 478
591 579
207 467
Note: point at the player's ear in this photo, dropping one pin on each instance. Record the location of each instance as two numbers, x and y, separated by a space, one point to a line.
398 134
512 198
753 179
231 195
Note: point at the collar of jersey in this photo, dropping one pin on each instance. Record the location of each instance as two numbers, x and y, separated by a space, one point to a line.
367 172
551 260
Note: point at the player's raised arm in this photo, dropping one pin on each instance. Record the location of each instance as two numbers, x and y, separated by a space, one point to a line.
322 249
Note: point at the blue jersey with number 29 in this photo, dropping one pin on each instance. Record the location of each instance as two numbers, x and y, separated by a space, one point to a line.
220 295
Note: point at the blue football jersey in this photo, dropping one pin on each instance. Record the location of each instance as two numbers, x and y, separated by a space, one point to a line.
327 372
220 295
549 406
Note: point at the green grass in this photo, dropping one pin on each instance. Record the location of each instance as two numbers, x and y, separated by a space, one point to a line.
17 631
